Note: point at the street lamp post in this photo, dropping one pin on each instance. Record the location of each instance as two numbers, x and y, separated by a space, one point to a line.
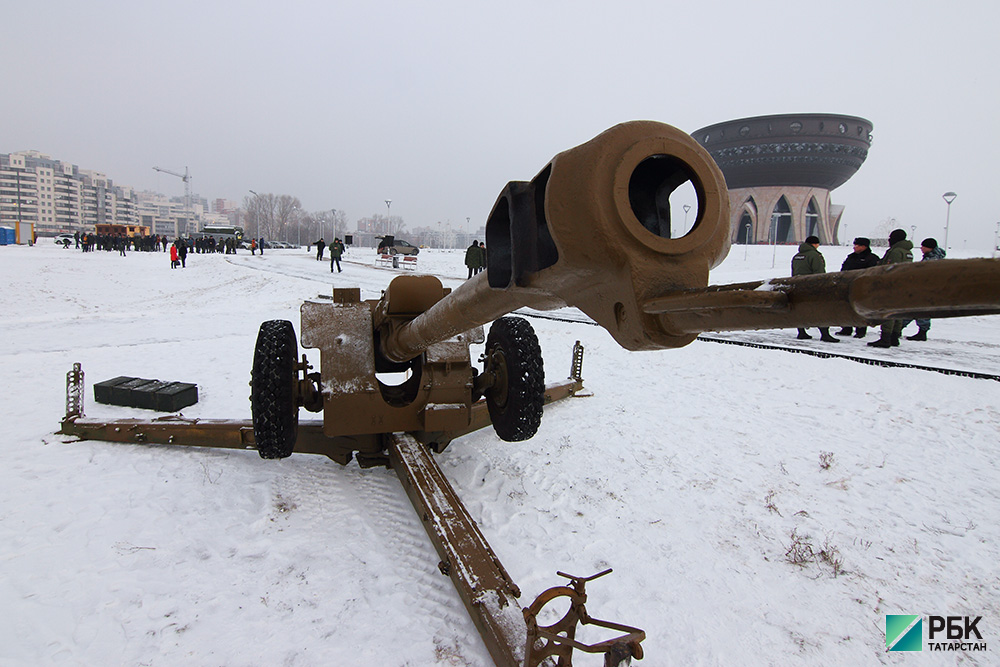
746 242
774 240
687 207
17 225
948 197
388 217
913 232
321 227
256 217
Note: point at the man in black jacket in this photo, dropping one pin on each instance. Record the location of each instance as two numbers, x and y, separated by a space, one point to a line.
861 258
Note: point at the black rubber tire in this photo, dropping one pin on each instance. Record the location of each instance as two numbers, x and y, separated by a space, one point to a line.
515 404
272 390
392 251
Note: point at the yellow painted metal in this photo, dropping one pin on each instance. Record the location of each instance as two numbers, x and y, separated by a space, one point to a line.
949 288
486 589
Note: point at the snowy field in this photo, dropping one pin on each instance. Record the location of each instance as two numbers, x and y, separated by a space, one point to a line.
696 474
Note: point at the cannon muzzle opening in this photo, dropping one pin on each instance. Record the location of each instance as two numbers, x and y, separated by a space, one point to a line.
594 229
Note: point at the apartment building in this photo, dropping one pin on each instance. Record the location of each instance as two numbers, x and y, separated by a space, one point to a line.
167 217
57 196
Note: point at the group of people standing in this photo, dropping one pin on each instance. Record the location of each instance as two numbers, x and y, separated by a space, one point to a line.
210 244
336 252
809 260
88 242
475 258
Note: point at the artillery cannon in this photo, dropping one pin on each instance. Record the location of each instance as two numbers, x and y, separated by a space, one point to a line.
592 230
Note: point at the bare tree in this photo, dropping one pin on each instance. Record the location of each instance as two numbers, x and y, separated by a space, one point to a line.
316 224
260 214
270 216
339 220
882 231
308 224
285 207
396 225
381 224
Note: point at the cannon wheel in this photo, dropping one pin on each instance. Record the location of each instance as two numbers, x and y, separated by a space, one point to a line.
272 390
517 394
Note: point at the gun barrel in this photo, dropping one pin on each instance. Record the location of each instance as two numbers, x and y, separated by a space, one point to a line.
949 288
594 230
470 305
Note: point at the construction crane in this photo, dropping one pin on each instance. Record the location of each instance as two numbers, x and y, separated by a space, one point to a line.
186 177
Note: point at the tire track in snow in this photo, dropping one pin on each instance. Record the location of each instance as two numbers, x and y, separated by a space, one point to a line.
364 525
430 594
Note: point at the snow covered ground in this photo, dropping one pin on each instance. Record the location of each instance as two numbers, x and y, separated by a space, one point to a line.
693 473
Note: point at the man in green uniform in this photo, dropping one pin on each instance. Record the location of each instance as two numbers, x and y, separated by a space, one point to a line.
900 251
807 261
336 252
474 258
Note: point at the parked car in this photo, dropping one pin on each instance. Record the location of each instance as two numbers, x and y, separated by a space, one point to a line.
390 245
65 240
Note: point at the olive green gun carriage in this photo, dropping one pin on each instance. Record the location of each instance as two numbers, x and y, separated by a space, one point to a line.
592 230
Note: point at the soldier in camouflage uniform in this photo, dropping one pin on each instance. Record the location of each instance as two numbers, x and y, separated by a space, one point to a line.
900 251
932 252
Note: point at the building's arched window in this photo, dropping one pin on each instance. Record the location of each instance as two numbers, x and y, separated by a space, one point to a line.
744 230
781 222
812 220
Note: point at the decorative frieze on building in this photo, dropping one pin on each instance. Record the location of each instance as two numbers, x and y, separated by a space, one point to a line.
781 169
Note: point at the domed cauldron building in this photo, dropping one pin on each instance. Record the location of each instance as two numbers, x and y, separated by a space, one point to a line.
780 171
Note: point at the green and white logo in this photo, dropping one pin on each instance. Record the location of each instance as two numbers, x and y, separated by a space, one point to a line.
903 632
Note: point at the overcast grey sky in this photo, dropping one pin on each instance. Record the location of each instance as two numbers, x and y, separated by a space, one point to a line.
436 105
